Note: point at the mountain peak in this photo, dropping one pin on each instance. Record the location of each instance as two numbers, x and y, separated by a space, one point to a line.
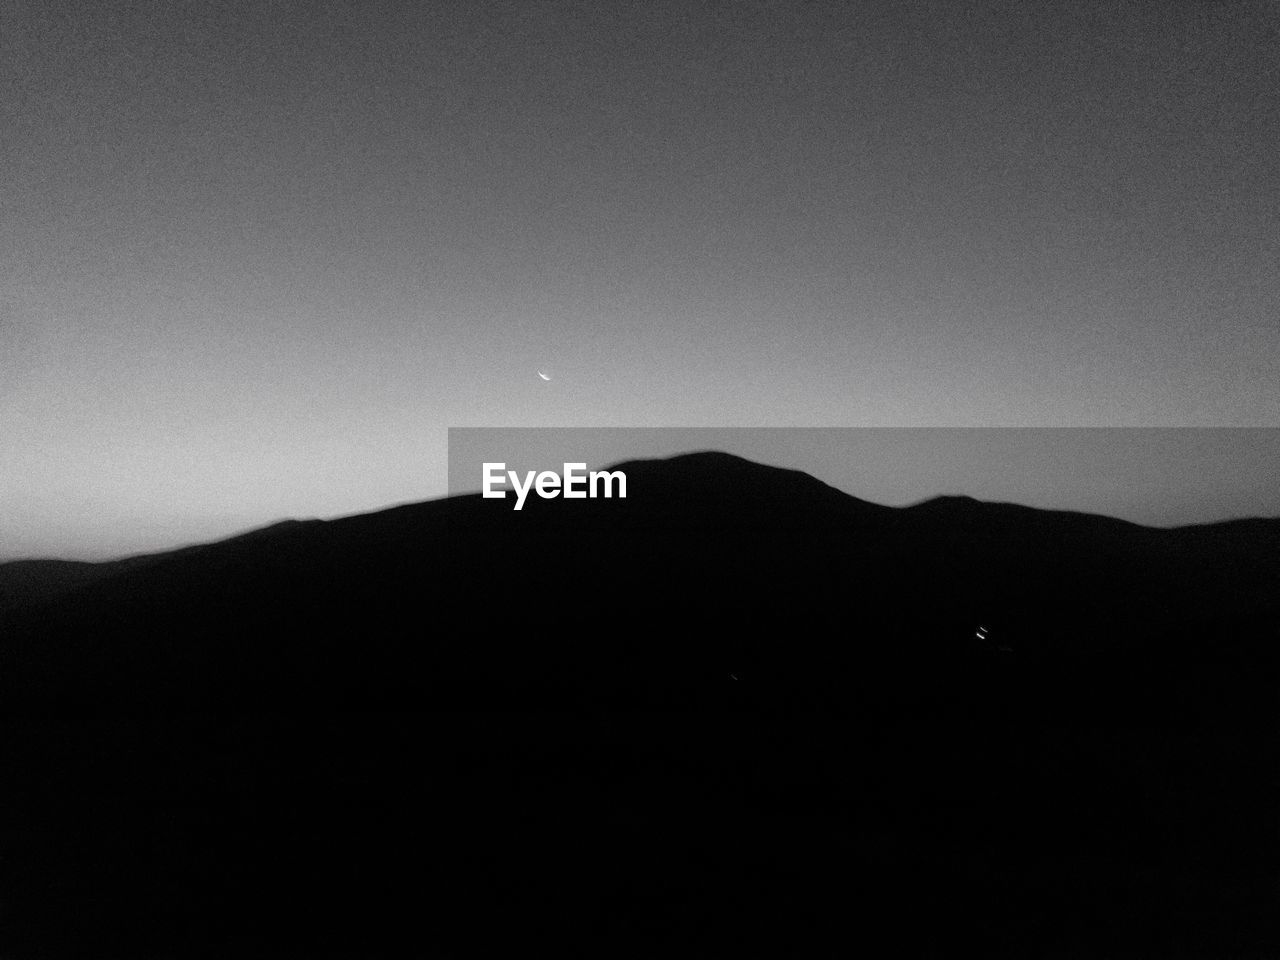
724 484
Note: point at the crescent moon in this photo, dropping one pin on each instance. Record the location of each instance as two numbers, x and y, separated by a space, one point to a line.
543 375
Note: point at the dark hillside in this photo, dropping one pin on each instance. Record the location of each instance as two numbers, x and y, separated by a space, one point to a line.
737 711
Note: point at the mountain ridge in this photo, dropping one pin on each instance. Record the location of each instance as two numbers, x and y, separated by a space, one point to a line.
659 726
695 530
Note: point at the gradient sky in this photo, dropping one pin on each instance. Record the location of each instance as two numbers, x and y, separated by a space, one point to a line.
255 258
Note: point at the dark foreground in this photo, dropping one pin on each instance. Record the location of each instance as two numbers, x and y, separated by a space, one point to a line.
787 723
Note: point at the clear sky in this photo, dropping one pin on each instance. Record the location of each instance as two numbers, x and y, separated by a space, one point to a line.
256 257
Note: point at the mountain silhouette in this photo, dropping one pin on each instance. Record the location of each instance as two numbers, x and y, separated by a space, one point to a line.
657 592
736 710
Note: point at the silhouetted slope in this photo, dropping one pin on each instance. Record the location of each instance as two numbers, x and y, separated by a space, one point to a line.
38 580
33 581
661 589
738 711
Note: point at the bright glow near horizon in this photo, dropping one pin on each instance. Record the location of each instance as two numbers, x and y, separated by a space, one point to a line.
257 258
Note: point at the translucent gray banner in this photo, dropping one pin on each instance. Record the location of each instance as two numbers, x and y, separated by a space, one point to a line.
1154 476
